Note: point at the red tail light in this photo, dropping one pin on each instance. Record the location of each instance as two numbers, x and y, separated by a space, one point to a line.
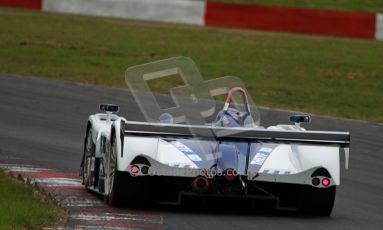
134 169
326 182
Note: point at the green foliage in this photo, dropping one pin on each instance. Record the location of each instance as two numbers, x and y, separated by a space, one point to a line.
20 207
322 75
342 5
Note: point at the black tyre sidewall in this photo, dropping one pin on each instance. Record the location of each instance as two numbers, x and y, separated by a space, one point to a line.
316 201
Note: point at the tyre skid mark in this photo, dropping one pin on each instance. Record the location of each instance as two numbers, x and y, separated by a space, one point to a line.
86 210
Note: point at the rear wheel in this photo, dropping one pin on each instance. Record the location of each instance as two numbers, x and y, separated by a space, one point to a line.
316 201
124 188
116 182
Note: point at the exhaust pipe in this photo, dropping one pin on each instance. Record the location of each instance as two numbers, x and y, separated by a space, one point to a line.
200 184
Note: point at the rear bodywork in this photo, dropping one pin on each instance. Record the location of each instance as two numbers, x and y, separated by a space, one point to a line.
274 155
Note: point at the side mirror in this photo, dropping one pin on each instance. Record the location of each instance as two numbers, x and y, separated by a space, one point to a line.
297 119
112 108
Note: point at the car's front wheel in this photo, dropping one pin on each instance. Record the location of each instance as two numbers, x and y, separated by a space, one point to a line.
89 150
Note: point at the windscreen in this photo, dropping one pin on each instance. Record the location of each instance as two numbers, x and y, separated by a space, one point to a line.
173 91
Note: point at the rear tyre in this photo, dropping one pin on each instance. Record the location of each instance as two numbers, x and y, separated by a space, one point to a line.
116 178
316 201
126 190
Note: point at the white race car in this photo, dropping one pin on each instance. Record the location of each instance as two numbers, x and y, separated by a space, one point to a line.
202 148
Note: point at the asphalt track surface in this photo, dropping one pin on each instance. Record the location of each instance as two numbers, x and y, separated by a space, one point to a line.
44 121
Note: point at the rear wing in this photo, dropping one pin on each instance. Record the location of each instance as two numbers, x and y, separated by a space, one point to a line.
252 134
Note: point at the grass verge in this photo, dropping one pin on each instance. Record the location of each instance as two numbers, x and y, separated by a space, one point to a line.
21 207
342 5
321 75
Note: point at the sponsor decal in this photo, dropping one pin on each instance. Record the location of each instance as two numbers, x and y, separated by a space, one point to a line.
259 159
187 151
261 156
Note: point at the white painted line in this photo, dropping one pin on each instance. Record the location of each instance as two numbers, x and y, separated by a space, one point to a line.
56 181
176 11
117 216
21 168
379 27
83 203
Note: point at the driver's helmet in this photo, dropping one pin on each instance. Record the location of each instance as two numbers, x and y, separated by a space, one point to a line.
166 118
233 118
